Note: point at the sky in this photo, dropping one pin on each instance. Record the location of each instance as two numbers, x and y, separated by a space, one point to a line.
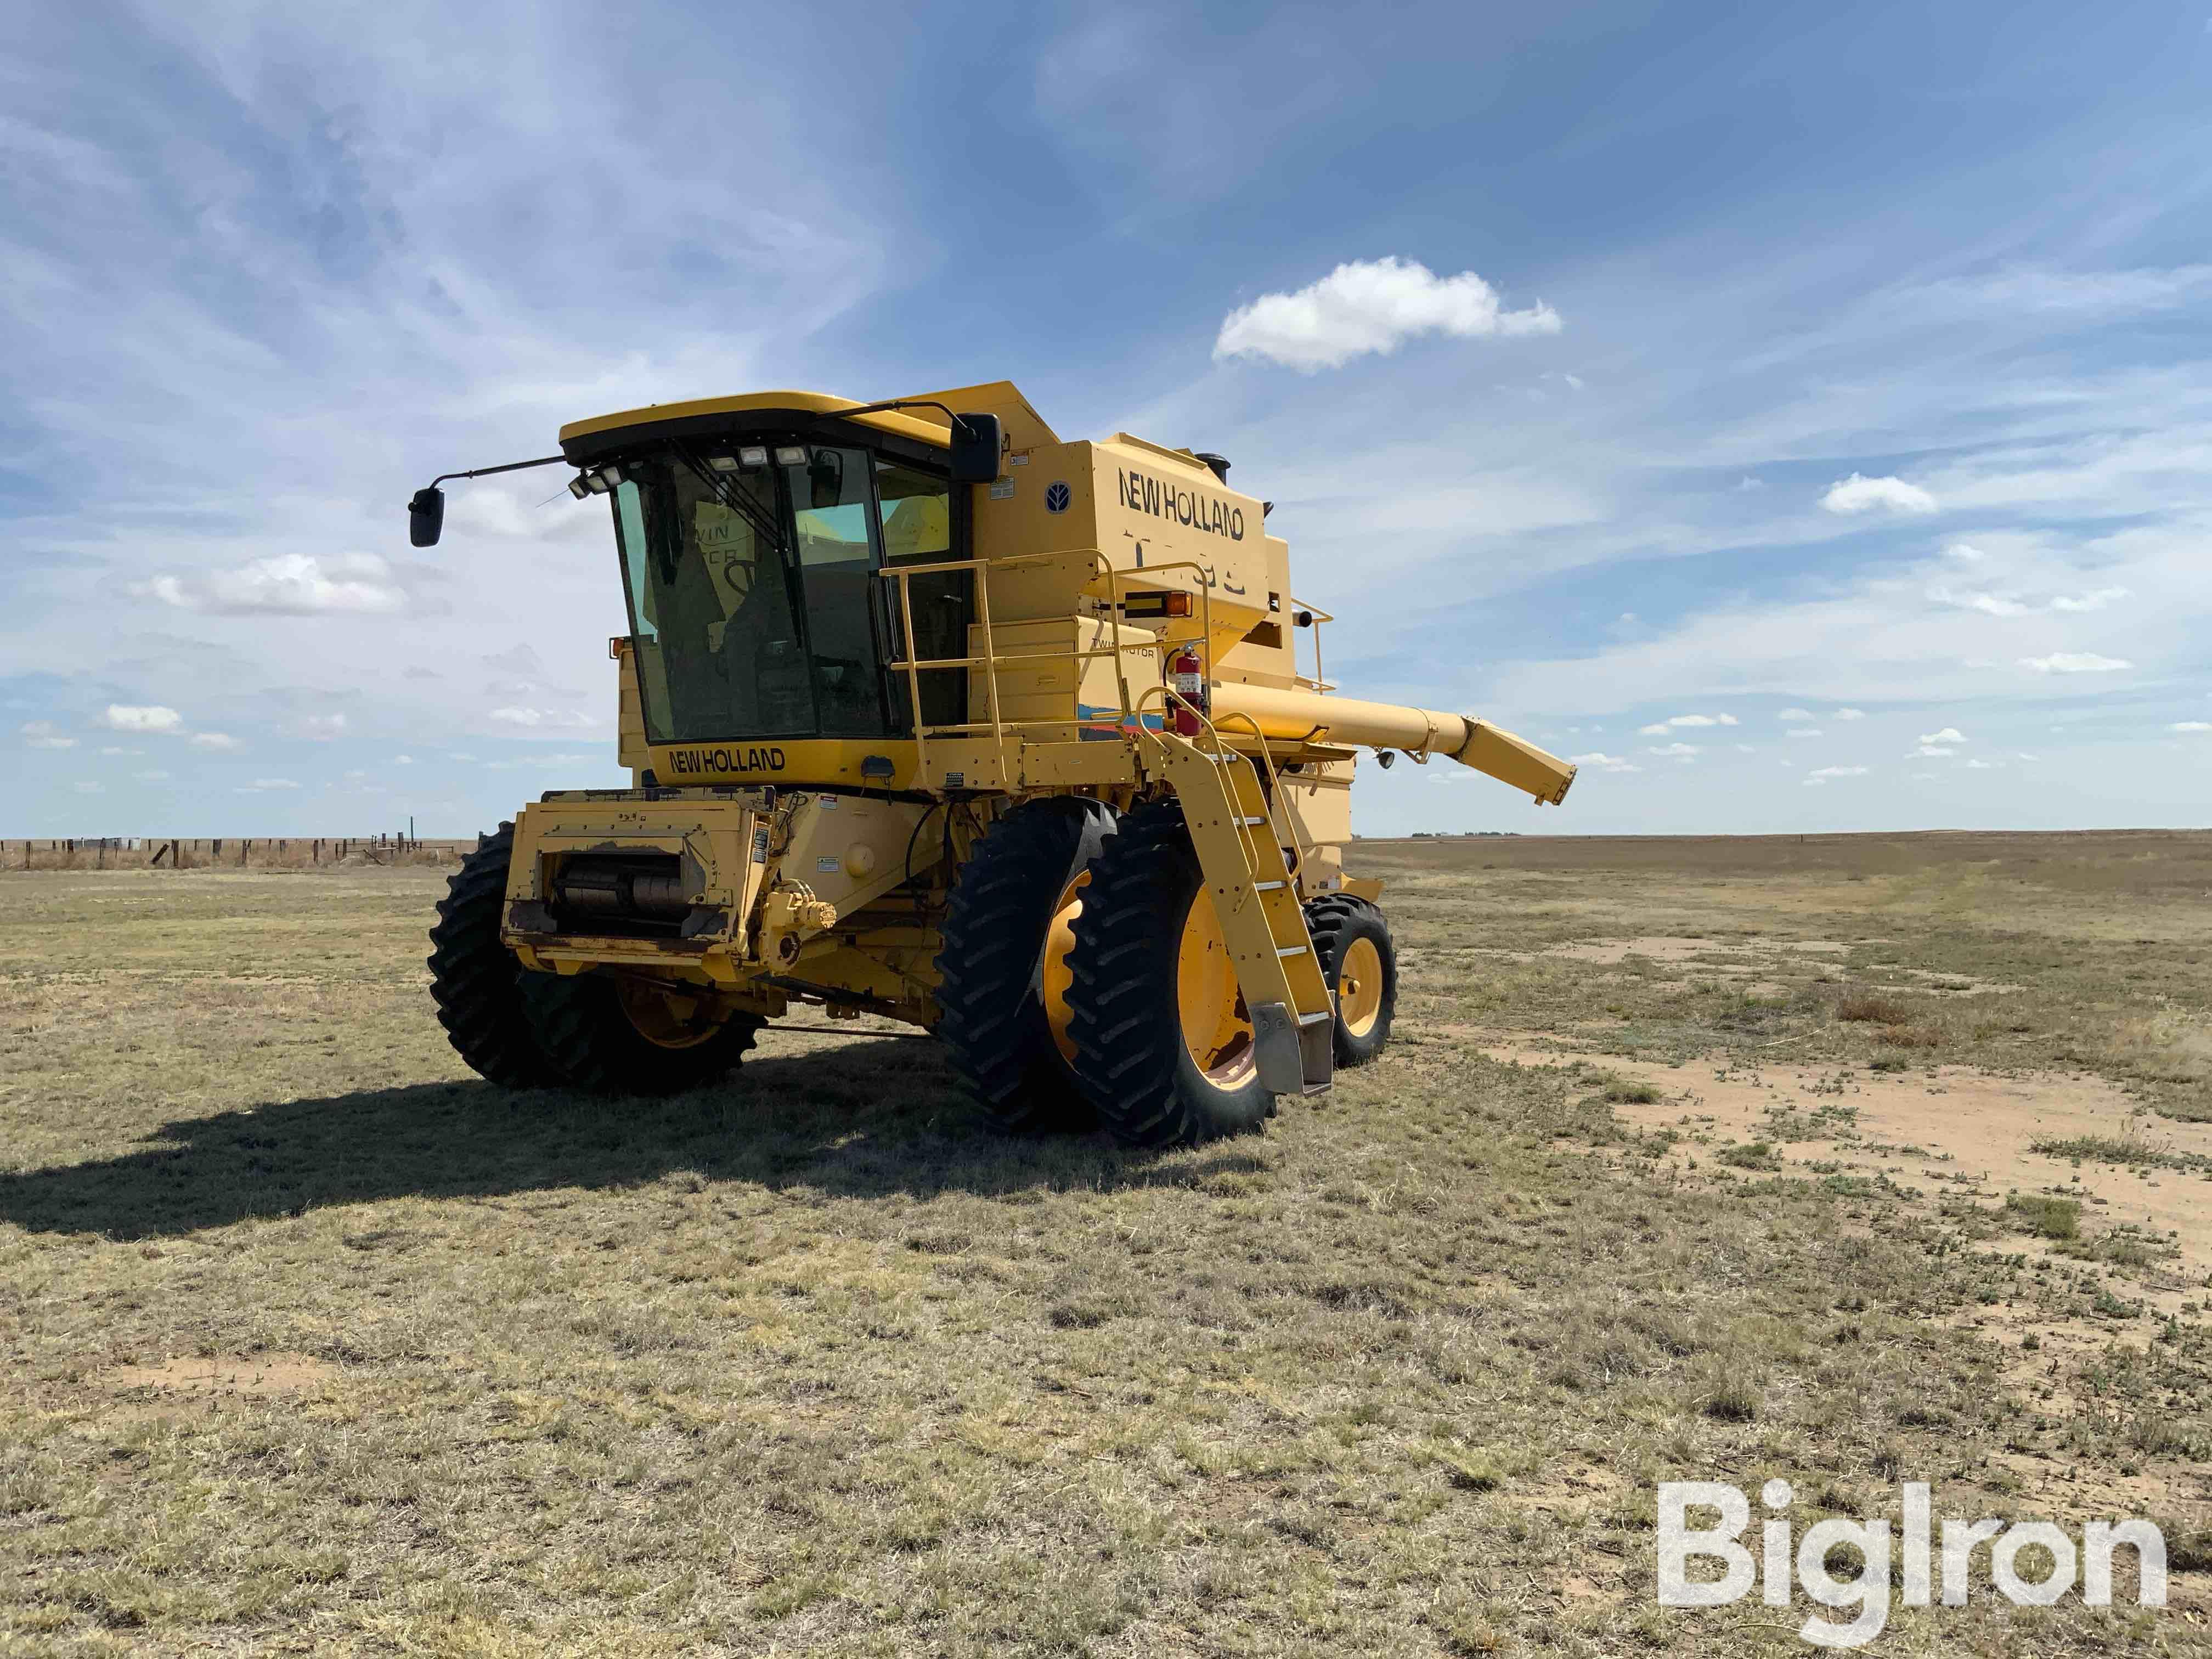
1799 417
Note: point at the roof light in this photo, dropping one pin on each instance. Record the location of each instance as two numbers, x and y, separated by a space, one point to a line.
611 473
791 455
754 455
596 483
579 486
723 463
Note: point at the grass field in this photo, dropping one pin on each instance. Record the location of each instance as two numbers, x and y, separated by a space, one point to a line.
315 1343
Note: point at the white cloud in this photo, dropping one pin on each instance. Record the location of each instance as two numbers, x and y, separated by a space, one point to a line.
1745 749
1371 306
112 749
1992 604
323 727
152 717
1802 732
1796 714
2074 662
1840 771
561 718
1746 484
1701 719
1848 714
1605 762
1949 734
87 788
2146 288
1961 551
1657 730
285 585
154 776
43 734
457 756
2182 725
1860 494
261 784
1983 765
221 742
1677 750
402 760
1930 750
2003 604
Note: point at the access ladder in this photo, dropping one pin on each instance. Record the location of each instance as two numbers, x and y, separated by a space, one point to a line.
1240 857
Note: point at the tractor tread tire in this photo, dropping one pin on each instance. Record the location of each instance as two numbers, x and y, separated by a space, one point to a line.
1123 1015
991 1013
590 1042
1335 920
476 981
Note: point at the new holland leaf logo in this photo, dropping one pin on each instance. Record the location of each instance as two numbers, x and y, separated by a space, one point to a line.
1056 497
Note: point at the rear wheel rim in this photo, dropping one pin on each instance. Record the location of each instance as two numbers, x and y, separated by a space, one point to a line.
1217 1031
667 1016
1359 987
1058 975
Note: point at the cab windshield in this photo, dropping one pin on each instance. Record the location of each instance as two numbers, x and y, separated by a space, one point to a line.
754 601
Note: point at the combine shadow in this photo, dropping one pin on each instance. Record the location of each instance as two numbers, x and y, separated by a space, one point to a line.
857 1123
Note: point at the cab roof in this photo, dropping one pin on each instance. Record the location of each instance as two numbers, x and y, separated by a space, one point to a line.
1025 427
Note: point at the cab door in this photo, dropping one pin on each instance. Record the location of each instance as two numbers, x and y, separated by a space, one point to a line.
923 519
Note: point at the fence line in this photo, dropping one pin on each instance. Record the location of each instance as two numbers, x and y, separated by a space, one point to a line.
221 851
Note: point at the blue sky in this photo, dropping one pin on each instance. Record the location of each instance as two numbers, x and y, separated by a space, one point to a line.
1804 417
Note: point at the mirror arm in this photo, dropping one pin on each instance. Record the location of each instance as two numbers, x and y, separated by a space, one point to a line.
486 471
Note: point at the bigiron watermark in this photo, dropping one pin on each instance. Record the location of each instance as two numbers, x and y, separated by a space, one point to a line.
1934 1558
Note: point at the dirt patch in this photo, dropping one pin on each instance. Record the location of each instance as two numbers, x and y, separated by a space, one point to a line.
1655 947
1949 1124
224 1375
1674 949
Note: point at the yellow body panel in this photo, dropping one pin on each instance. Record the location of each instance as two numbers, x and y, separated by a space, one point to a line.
818 868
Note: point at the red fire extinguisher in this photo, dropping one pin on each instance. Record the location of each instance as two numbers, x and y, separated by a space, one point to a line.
1187 676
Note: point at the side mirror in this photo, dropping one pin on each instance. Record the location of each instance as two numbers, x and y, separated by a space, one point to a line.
976 443
825 478
426 516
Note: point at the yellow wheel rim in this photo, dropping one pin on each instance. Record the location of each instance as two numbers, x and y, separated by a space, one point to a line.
667 1016
1059 976
1216 1028
1359 987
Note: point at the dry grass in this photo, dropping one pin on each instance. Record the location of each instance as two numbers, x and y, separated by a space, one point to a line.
813 1363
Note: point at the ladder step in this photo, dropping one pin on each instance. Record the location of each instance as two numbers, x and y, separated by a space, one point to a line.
1269 886
1290 950
1315 1019
1248 823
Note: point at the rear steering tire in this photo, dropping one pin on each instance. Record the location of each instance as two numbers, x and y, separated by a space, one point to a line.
1002 973
1163 1040
476 981
1351 942
618 1036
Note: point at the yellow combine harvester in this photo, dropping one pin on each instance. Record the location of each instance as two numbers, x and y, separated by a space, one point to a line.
932 715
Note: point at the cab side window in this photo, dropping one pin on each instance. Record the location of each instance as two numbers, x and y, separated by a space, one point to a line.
916 510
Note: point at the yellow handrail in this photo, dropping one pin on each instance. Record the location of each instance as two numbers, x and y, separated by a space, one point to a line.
991 659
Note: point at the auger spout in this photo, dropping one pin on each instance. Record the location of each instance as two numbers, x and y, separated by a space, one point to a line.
1497 753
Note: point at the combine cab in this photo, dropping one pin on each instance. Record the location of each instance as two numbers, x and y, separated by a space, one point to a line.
933 715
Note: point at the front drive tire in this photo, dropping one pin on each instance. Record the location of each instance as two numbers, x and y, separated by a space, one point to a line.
1002 974
476 981
1162 1041
614 1036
